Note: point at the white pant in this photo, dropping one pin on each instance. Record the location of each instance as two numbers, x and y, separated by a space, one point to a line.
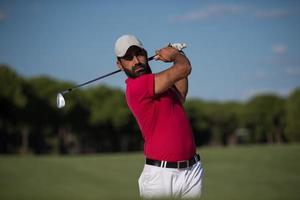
158 182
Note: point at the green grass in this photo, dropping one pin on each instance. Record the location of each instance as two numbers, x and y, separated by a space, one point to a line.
246 172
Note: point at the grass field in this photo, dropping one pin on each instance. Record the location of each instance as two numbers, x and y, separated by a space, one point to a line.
248 172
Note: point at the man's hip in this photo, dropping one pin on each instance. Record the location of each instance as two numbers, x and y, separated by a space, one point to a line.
172 182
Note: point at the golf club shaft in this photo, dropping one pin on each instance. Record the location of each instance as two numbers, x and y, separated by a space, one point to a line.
96 79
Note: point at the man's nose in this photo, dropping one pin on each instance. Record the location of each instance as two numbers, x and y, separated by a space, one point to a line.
135 59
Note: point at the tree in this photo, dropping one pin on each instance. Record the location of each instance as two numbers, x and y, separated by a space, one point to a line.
265 117
110 118
52 127
214 122
12 100
223 121
230 121
293 116
199 120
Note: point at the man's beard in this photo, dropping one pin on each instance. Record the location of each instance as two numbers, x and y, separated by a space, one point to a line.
138 70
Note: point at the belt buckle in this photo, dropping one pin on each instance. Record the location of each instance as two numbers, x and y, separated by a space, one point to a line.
183 161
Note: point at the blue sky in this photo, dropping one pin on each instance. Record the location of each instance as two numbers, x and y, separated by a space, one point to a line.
237 48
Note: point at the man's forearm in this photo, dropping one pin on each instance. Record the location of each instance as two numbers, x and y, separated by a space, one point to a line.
182 84
176 75
182 88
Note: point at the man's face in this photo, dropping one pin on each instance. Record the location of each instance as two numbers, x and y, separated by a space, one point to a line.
134 62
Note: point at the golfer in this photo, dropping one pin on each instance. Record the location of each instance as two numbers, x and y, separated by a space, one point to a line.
172 167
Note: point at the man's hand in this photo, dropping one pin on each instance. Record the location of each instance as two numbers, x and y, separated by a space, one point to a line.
167 54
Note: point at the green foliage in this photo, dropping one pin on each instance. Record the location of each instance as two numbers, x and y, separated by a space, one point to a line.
213 122
11 86
196 111
97 119
47 88
265 115
200 121
293 116
107 106
223 120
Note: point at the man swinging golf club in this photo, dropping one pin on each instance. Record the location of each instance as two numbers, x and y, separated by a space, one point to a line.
172 167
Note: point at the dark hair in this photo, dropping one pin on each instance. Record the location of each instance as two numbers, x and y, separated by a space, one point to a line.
134 46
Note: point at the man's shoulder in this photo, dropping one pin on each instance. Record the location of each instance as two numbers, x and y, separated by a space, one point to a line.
140 81
142 85
140 78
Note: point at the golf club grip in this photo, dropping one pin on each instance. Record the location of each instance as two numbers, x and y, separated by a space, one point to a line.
151 58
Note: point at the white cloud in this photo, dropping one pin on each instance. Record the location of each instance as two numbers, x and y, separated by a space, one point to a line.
279 49
285 60
293 71
271 14
262 91
253 92
260 75
210 12
219 11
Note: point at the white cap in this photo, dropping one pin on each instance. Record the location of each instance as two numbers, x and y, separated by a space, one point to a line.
124 42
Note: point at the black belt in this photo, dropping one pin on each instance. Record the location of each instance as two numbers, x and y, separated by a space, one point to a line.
179 164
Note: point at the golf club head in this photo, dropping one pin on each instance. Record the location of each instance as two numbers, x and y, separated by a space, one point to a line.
60 100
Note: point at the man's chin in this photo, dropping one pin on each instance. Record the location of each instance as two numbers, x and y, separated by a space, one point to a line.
140 73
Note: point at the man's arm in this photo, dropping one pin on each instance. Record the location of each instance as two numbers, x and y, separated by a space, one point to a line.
176 75
181 88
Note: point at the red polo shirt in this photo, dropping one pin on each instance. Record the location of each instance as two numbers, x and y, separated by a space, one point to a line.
164 125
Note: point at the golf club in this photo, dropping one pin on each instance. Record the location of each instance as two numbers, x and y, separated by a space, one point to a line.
60 100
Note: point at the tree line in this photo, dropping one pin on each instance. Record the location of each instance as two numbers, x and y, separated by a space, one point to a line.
97 119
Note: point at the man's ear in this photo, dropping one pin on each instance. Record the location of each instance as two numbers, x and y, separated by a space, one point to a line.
119 65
